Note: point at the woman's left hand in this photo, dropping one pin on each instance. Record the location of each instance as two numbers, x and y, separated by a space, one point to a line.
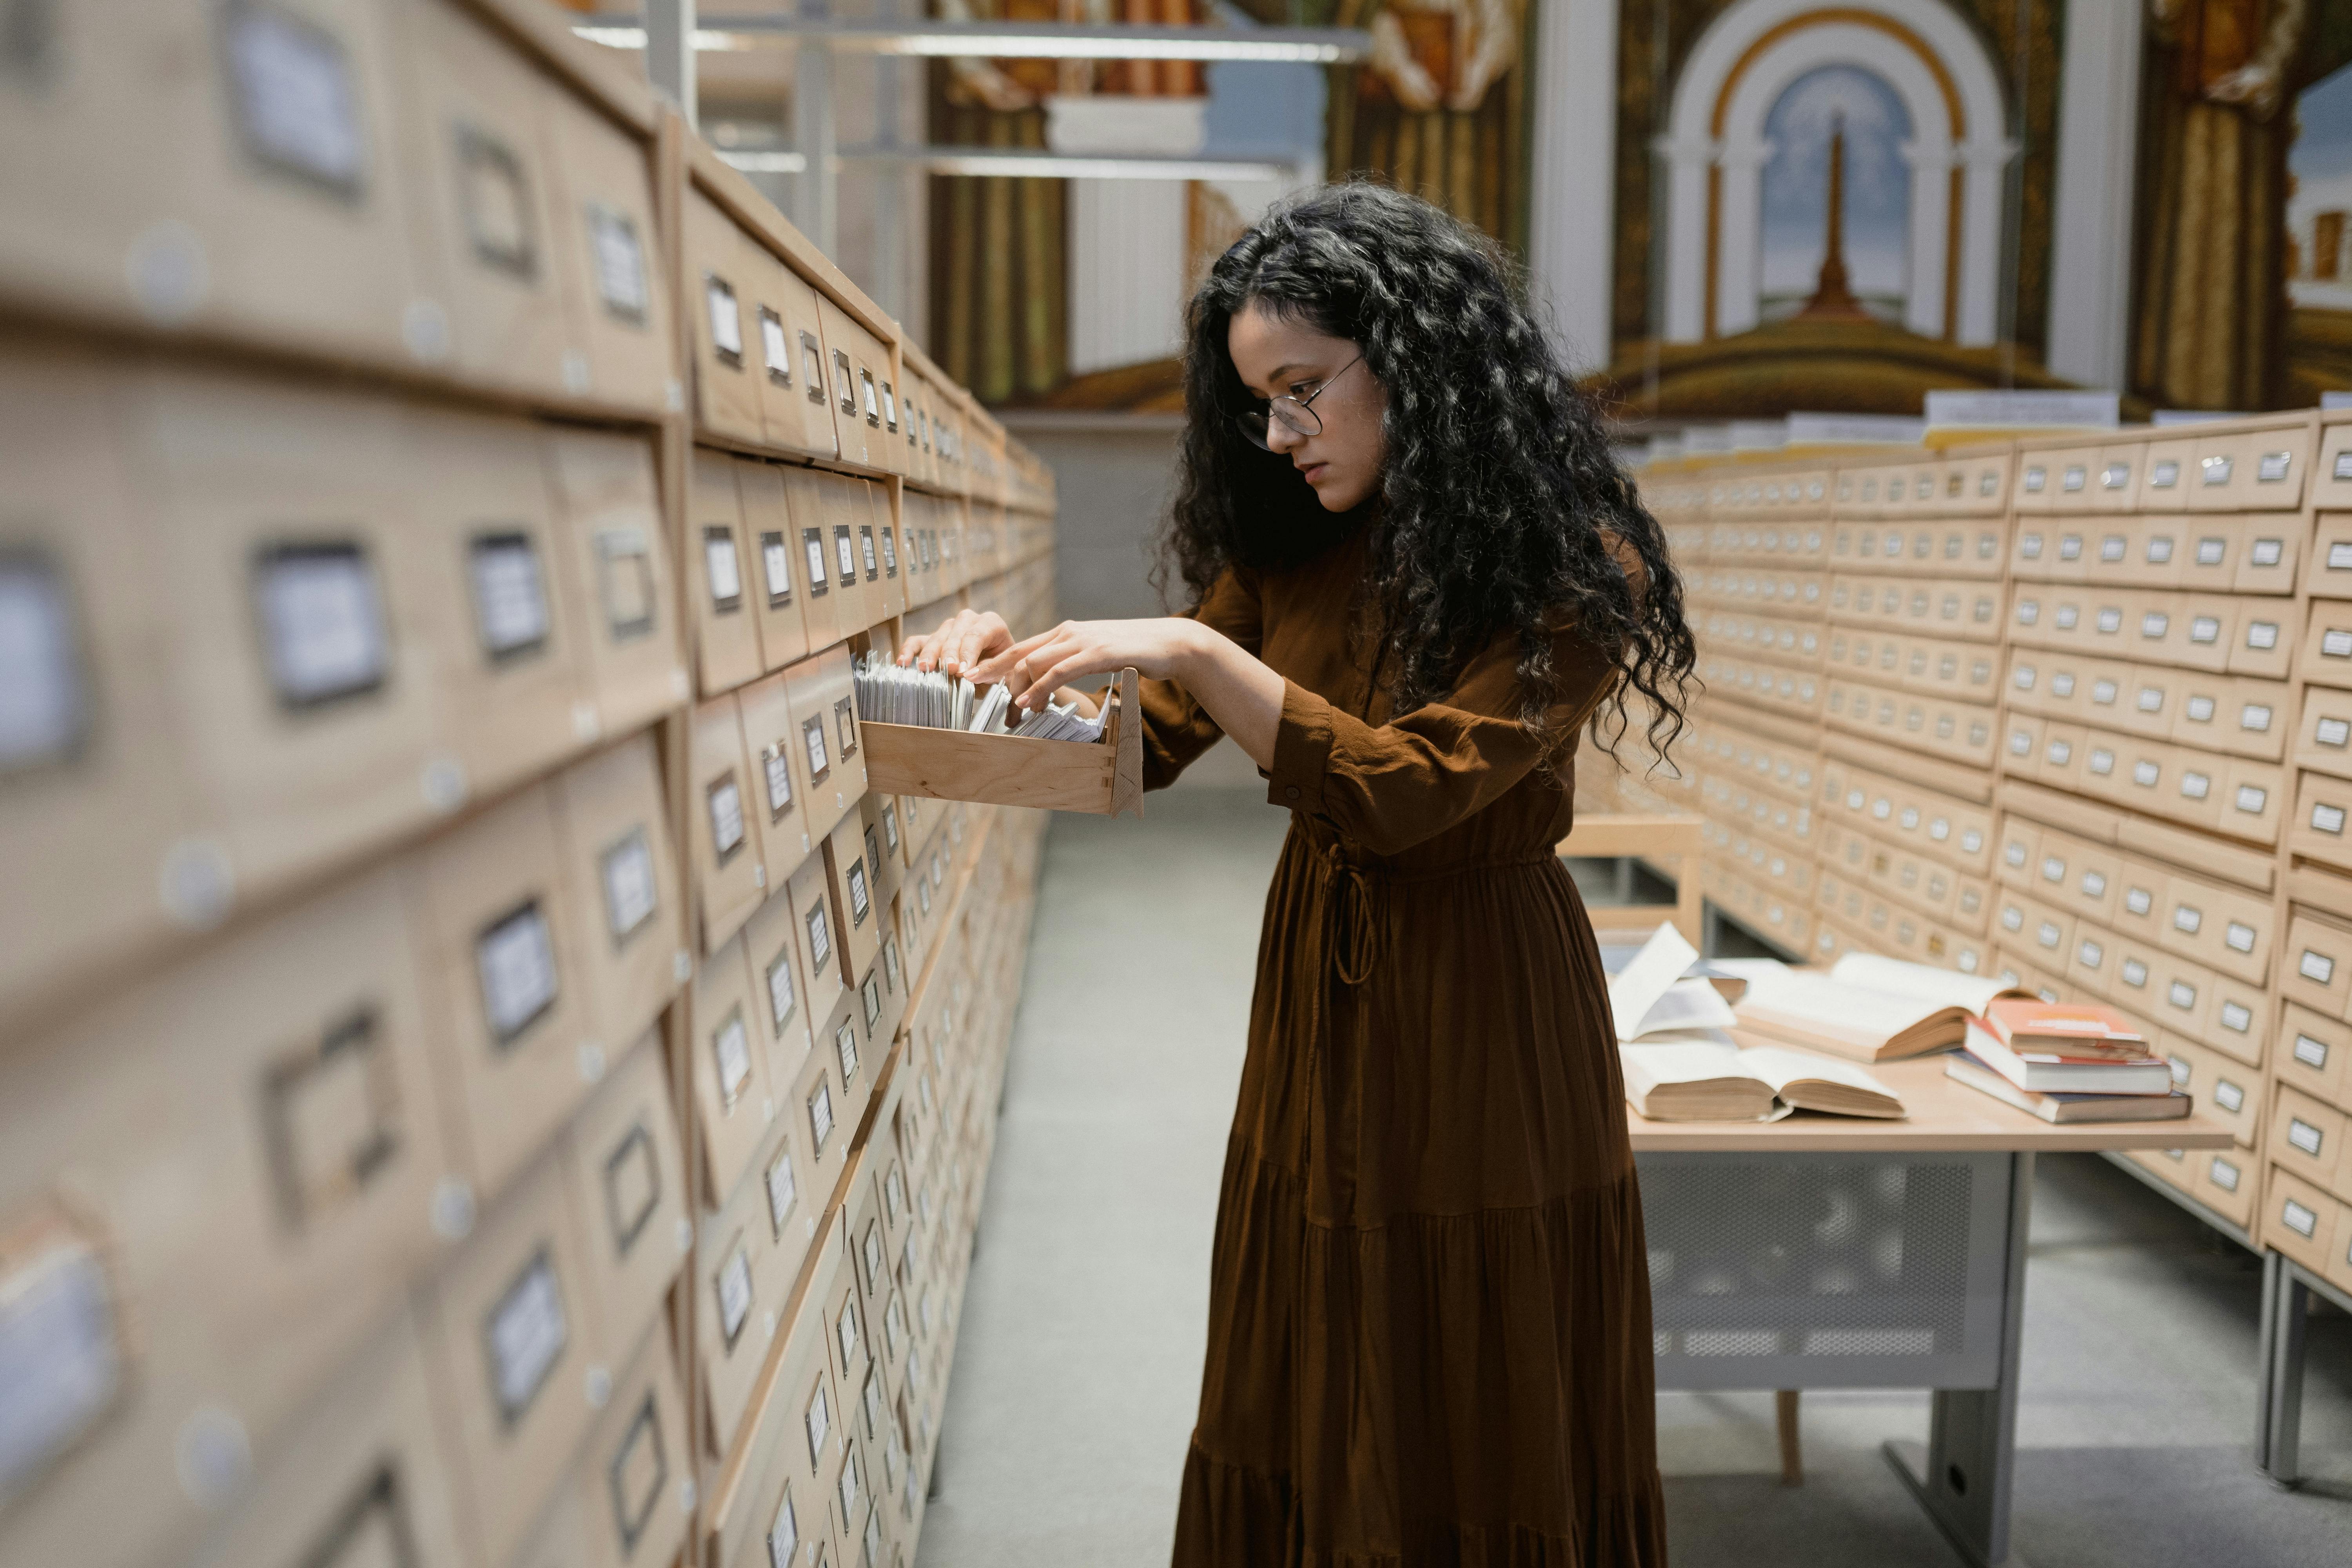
1034 668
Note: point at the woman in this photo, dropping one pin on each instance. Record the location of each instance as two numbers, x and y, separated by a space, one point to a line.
1401 530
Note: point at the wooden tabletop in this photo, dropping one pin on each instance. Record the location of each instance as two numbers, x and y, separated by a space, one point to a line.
1945 1115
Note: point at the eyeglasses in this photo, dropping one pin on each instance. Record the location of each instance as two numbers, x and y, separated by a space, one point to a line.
1297 413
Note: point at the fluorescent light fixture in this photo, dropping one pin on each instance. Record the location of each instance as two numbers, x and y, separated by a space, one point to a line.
1009 40
765 162
1020 164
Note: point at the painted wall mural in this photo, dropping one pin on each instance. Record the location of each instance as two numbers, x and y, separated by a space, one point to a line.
1823 205
1728 112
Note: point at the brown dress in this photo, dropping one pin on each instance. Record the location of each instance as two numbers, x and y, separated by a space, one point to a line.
1429 1306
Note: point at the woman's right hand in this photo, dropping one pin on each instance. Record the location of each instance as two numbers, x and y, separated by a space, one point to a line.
962 641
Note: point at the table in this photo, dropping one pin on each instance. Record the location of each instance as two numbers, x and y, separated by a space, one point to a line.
1838 1252
2287 1289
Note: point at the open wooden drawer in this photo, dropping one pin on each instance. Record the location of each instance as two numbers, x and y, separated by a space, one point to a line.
1103 777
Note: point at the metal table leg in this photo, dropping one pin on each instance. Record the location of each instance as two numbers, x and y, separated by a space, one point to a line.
1965 1477
2278 1421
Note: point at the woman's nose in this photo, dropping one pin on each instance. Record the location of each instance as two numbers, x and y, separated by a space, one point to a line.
1281 438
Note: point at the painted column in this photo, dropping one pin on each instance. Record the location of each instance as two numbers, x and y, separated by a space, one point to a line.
1572 235
1983 160
2091 214
1739 250
1687 162
1128 246
1929 234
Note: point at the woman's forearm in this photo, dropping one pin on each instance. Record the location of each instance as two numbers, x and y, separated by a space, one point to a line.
1239 692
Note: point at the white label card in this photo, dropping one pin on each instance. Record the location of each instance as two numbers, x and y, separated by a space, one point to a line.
628 874
515 959
820 1116
60 1350
526 1335
845 1046
2311 1052
782 1189
774 348
726 320
726 816
2299 1219
820 931
780 781
620 262
783 1534
780 1000
509 595
297 104
734 1295
44 706
820 1425
322 623
724 572
812 734
730 1050
777 564
2303 1135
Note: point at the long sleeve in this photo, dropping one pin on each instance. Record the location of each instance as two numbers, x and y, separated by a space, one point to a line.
1392 785
1176 728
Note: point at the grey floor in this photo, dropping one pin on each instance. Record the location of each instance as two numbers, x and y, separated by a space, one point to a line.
1078 1367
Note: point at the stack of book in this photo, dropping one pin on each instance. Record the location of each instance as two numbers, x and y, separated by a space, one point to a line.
2065 1061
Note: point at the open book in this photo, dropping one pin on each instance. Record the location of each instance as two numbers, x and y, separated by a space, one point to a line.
1871 1008
1656 994
1698 1081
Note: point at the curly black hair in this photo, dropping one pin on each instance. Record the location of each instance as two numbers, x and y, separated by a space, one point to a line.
1501 505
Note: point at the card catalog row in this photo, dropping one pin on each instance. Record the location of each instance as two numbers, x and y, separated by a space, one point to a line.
2225 468
2220 553
2230 928
1776 592
2214 632
2238 796
1789 690
1769 763
1921 882
266 627
2175 995
779 365
1960 485
2310 1225
1926 821
2235 715
386 183
1952 730
1771 637
1953 548
1968 611
1780 918
1850 917
223 1179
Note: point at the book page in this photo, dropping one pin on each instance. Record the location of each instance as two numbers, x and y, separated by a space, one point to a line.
1687 1005
1635 989
1833 1008
1921 982
1684 1061
1780 1069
